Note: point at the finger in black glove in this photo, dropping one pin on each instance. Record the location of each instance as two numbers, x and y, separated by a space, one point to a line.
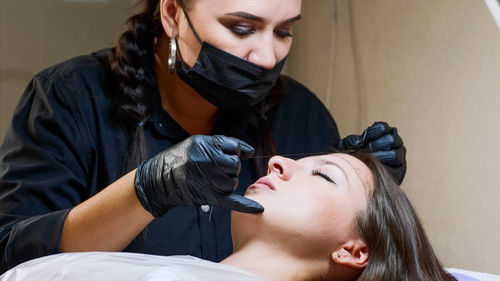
201 170
351 142
394 162
384 143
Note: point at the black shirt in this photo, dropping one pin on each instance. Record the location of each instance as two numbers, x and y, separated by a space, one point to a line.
62 147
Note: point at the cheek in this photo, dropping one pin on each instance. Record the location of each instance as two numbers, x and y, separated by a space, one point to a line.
283 48
317 221
296 205
303 211
320 215
188 46
310 206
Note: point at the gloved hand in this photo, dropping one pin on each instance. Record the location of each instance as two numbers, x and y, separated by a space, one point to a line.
384 143
201 170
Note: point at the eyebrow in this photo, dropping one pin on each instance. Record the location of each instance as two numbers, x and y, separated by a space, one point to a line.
260 19
294 19
322 161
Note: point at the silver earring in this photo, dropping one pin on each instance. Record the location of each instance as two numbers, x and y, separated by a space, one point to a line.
173 54
338 255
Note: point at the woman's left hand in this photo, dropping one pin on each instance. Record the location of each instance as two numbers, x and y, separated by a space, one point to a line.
384 143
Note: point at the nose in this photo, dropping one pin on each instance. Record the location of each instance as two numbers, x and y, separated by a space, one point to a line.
262 54
280 166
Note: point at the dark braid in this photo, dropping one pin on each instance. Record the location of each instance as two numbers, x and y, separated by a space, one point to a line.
132 66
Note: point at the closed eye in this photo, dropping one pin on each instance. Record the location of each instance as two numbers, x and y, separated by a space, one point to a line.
317 172
283 33
242 30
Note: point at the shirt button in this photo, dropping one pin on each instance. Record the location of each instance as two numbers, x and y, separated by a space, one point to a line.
161 125
205 208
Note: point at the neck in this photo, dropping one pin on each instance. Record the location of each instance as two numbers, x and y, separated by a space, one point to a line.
188 108
271 263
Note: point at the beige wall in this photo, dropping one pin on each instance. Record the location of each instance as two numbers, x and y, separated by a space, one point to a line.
431 68
40 33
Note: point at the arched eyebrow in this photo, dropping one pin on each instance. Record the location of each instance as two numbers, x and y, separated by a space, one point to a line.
252 17
293 19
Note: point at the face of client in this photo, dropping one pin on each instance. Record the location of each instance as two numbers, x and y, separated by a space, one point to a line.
310 208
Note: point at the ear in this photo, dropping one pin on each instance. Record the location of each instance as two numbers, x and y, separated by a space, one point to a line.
353 253
169 11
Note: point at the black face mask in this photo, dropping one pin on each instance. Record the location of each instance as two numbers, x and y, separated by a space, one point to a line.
225 80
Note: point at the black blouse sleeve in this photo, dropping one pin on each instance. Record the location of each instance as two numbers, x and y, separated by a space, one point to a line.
42 173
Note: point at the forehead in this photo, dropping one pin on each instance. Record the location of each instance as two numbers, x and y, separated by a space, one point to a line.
265 8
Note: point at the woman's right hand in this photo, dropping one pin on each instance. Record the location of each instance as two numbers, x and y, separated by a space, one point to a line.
201 170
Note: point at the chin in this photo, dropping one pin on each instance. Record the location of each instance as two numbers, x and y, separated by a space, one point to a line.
259 195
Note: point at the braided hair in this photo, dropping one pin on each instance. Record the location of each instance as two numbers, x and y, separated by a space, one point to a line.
132 71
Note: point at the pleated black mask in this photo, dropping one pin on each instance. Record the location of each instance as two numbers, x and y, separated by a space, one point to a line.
225 80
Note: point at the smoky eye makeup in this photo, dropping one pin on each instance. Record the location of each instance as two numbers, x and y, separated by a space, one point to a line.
242 29
283 32
237 26
245 25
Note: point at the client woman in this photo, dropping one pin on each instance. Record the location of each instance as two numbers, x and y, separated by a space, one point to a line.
329 217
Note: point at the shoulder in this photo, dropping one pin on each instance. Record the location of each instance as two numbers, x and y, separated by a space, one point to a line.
78 75
297 98
93 64
296 93
301 122
292 84
73 92
76 83
299 102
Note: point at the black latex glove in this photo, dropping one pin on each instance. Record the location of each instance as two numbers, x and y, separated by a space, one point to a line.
201 170
384 143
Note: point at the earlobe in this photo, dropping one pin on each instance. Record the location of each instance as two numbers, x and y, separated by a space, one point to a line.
354 254
168 12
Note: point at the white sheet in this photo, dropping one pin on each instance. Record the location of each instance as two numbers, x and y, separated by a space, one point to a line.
93 266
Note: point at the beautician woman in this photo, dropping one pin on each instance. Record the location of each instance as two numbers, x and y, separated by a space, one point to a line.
182 112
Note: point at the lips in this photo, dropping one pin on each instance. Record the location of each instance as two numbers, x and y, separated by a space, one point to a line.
263 182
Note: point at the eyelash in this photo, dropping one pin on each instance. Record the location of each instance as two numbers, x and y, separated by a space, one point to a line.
317 172
242 31
283 34
245 32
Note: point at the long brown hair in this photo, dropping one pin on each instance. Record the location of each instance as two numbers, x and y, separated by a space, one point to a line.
132 69
398 246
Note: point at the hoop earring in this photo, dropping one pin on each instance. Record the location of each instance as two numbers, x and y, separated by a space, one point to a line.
173 54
